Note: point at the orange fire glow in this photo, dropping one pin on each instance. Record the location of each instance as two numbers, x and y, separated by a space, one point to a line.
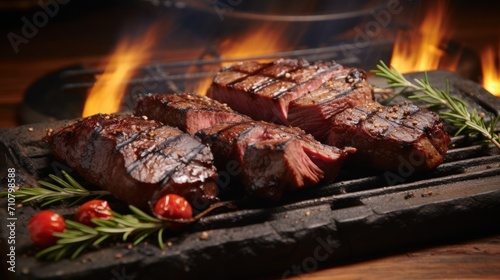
419 51
267 39
106 94
201 86
490 63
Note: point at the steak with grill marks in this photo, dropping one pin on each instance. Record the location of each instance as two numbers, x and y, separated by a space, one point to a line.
262 91
137 160
391 138
324 111
313 111
271 158
187 111
268 158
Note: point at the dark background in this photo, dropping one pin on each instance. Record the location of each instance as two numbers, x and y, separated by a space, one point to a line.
85 32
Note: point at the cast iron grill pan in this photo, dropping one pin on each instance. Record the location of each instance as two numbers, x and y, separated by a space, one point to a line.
360 214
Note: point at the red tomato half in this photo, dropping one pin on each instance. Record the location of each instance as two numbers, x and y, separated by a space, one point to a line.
93 209
43 225
172 206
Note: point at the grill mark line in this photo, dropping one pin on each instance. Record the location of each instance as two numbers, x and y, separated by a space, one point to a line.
185 160
149 151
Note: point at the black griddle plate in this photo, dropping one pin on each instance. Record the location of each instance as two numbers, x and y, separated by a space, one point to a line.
360 214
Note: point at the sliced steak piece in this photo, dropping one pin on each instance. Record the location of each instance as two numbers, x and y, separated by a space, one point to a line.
271 166
187 111
273 158
313 111
391 138
263 90
136 159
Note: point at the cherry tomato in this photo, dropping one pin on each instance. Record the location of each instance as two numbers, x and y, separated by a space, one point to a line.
43 225
93 209
172 206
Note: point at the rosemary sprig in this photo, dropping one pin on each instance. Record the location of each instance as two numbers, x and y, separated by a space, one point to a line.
77 237
48 193
458 114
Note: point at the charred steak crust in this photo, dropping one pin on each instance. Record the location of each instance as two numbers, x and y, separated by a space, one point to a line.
313 111
389 137
326 110
189 112
269 158
137 160
273 159
263 90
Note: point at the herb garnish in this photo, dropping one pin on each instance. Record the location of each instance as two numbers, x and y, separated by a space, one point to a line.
458 114
49 193
137 225
77 237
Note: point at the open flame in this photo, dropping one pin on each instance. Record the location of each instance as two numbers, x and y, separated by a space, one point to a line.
106 94
490 63
419 51
267 39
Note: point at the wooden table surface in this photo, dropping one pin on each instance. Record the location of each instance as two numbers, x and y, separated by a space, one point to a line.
474 259
65 41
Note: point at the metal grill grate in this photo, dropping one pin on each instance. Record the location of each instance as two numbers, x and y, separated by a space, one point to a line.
67 88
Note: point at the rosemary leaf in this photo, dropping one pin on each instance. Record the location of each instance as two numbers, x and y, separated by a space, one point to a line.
35 197
160 238
140 237
72 181
103 223
78 200
49 193
100 240
48 202
143 216
60 181
80 249
67 234
50 186
115 230
458 116
126 234
61 253
49 250
127 220
75 239
81 227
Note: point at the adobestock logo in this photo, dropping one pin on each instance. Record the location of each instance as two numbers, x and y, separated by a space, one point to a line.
49 9
321 253
363 36
155 80
221 7
407 166
232 169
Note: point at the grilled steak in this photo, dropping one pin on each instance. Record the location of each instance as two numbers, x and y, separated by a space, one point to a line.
388 138
268 158
189 112
313 111
273 158
137 160
263 90
317 110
